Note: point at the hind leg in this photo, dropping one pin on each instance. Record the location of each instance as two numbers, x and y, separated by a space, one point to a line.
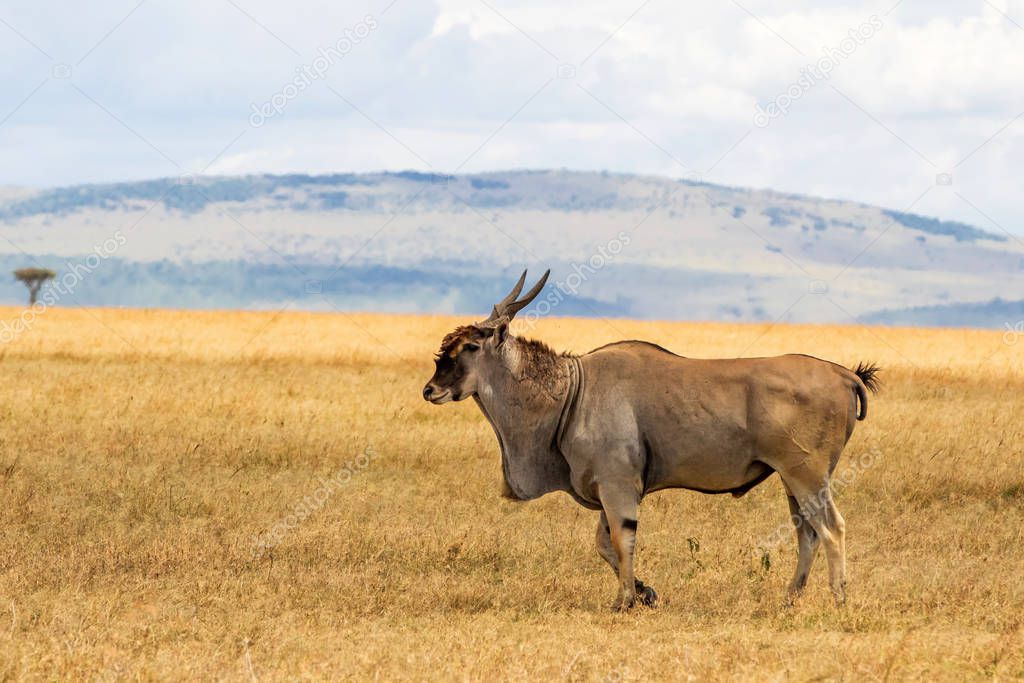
836 550
814 501
645 593
807 541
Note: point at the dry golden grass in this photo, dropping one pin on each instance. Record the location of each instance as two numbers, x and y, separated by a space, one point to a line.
143 452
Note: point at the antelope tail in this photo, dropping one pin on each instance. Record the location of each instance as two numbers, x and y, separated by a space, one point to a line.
867 376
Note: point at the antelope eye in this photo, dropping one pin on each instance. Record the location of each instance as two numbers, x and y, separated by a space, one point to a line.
471 347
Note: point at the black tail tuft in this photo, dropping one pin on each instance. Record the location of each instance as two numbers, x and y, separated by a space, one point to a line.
868 373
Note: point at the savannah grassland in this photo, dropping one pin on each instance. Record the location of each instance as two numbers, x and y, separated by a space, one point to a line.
144 452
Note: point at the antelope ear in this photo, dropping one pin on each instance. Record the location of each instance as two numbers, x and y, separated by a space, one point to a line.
498 332
501 332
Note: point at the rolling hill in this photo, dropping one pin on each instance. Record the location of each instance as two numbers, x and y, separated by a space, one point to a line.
618 245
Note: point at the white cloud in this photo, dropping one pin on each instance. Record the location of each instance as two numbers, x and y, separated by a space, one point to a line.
939 78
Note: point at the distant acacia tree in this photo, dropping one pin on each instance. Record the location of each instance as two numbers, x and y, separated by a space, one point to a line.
33 278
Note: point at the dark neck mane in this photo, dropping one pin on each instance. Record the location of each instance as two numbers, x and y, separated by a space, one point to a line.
538 365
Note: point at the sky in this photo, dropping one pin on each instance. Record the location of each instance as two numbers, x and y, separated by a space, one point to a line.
912 105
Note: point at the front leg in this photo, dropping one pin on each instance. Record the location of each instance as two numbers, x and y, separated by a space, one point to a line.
620 510
645 593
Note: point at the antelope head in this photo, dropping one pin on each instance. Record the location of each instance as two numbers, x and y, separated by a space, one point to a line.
468 350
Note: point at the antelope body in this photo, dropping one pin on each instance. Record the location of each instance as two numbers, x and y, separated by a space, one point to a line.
630 418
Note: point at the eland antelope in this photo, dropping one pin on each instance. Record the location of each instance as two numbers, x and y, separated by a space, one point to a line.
610 426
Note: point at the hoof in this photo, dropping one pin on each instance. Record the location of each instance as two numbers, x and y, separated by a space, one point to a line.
839 594
646 595
623 606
